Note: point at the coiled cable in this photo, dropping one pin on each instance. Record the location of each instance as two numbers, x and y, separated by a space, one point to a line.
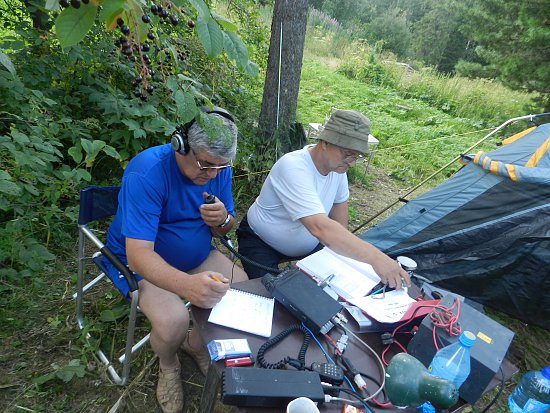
298 363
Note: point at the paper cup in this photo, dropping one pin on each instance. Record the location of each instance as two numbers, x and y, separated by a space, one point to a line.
302 405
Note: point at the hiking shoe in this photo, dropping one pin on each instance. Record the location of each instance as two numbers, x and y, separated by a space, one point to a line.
201 356
170 391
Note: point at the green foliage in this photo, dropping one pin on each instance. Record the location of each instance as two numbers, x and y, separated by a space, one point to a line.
475 70
512 36
392 29
65 373
364 65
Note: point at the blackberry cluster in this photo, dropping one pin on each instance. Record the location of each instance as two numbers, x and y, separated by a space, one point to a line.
138 53
142 54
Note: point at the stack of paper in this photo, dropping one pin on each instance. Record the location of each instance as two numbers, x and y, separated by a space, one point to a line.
347 277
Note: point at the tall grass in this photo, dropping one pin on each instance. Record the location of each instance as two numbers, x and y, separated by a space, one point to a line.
325 36
481 99
487 101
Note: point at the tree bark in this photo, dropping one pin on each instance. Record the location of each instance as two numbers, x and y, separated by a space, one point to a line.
277 123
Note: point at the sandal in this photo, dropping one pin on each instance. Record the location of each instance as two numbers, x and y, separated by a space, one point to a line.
201 356
170 391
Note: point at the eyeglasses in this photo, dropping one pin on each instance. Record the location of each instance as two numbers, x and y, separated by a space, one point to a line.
350 156
207 166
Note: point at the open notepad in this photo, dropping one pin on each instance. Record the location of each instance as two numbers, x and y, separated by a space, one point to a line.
348 278
244 311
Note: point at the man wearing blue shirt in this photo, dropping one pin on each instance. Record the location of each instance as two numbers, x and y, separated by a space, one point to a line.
163 230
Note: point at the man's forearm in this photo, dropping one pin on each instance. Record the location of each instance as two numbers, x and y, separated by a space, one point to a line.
153 268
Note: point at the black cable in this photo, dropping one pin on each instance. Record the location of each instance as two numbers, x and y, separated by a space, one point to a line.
298 363
498 393
225 241
352 393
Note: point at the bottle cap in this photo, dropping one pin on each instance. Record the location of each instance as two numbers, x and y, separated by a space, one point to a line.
467 339
408 264
546 372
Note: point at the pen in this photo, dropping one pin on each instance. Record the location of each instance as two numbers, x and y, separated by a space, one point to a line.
216 279
326 281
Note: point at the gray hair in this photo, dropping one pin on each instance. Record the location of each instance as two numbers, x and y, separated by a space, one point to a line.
222 146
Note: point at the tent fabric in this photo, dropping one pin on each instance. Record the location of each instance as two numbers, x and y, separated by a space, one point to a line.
485 232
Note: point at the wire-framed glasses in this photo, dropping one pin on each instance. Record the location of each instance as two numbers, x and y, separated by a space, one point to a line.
207 166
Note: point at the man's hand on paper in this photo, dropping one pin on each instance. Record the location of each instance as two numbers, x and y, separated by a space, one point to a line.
204 290
390 272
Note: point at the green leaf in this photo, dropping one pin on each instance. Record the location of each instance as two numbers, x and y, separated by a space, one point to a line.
132 124
19 137
139 133
114 313
51 5
252 69
235 49
84 174
201 7
110 151
72 24
223 22
6 62
186 106
156 125
109 11
9 188
43 379
76 154
214 127
92 149
211 36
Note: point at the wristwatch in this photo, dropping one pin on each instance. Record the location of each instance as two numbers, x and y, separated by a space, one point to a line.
226 221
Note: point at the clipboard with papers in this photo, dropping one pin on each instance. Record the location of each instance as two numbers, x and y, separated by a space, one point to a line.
353 281
348 278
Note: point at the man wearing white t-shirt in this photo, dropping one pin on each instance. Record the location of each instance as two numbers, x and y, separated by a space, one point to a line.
303 204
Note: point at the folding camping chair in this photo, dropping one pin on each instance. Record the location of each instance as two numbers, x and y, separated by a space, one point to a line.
98 203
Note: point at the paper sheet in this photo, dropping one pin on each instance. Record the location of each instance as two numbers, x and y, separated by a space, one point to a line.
390 309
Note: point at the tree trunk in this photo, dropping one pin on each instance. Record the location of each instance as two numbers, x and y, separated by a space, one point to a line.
277 123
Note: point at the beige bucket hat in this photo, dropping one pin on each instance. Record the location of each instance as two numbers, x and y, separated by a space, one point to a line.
347 129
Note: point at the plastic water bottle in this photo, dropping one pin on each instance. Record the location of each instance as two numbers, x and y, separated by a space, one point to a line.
453 362
532 394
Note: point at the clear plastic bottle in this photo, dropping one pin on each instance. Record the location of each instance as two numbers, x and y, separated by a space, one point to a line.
532 394
453 362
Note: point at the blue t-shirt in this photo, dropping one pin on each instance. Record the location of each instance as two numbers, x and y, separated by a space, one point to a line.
158 203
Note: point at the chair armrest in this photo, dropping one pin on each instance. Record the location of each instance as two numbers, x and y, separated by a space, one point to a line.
123 269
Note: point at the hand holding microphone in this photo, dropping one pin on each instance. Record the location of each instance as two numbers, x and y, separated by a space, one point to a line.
213 211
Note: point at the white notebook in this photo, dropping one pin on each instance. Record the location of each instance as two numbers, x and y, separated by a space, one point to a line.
244 311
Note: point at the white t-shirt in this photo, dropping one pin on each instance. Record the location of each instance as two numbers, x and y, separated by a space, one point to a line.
294 189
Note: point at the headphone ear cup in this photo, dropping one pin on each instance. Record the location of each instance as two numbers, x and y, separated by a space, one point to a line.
179 142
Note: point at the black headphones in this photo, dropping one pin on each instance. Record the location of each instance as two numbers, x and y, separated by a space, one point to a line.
180 142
